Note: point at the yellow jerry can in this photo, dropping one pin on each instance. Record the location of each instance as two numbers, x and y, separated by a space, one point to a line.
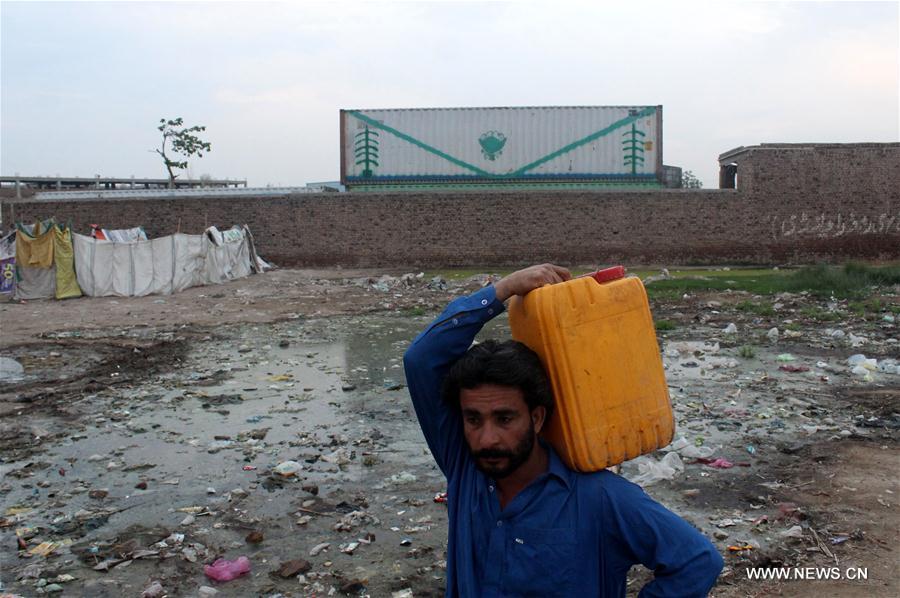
596 339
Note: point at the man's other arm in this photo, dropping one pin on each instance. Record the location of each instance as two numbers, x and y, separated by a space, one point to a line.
684 562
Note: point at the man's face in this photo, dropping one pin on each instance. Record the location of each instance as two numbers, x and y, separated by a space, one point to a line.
499 428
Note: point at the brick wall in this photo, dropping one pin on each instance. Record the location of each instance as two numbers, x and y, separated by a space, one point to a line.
793 205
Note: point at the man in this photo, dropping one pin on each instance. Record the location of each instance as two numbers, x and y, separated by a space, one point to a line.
521 522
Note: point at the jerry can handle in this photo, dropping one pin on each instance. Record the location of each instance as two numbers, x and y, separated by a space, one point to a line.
607 274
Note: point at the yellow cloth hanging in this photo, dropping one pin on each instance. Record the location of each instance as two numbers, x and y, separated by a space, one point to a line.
64 256
35 251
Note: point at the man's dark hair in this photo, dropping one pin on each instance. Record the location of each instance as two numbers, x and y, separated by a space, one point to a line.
507 363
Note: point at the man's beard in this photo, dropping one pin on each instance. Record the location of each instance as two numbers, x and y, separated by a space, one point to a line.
514 458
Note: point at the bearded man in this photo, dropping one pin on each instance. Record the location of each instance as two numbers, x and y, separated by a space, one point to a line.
521 523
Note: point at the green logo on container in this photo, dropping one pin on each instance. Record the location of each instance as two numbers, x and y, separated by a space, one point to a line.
492 144
365 149
633 146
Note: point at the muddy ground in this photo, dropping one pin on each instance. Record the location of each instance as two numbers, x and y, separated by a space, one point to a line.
144 438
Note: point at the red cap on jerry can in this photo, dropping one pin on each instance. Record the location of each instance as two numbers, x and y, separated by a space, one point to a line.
608 274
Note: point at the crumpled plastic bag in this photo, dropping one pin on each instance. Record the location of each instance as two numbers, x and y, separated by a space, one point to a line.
225 570
651 471
689 449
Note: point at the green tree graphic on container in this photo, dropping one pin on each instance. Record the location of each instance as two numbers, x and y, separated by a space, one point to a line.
633 146
365 149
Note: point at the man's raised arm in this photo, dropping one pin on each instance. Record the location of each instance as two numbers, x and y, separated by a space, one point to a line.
446 339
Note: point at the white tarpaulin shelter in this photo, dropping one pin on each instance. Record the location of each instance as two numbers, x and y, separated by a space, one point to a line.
165 265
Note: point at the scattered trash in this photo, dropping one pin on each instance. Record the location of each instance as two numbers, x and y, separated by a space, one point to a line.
288 468
857 341
839 539
718 463
353 587
45 548
788 510
392 385
730 329
336 406
293 568
353 520
889 366
154 590
651 471
793 368
225 570
11 370
404 477
862 371
690 450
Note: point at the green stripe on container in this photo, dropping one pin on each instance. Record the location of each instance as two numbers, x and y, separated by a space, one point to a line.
417 143
576 144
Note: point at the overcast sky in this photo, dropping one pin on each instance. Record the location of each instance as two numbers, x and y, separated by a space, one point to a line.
85 84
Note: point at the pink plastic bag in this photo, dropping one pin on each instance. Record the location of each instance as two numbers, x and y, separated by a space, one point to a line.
225 570
721 463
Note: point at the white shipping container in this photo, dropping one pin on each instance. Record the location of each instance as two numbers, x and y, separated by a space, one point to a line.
577 143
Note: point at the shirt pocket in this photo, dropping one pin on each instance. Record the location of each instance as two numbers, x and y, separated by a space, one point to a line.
541 562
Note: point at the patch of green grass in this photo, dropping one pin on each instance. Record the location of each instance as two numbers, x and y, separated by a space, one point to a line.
793 326
665 294
747 352
413 312
758 282
850 281
857 308
818 314
760 309
664 325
